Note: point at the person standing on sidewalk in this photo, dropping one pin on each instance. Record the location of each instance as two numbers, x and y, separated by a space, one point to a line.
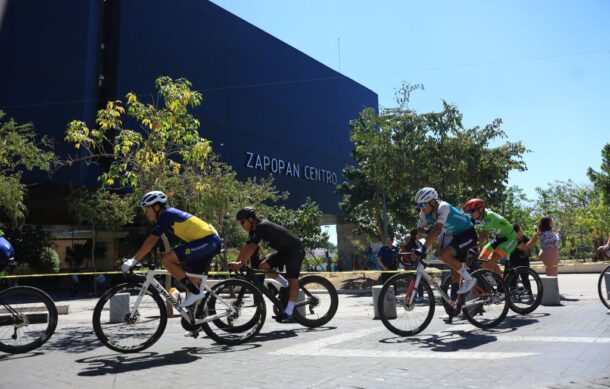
520 256
386 259
549 245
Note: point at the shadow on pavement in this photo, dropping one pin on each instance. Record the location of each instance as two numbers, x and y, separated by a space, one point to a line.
13 357
118 363
73 339
283 334
447 341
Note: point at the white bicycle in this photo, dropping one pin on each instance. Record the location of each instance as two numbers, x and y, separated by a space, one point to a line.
131 317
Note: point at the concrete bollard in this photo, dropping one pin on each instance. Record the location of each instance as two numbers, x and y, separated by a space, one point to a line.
607 280
389 304
119 307
550 291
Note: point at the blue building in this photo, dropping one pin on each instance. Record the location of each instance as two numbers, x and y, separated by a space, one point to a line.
267 108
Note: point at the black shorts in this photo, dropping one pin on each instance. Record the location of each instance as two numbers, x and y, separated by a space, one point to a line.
462 242
292 260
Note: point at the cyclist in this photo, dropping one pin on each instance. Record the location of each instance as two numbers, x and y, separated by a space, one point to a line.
201 243
289 252
443 216
504 236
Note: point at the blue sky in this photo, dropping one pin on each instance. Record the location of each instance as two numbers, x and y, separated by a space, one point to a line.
543 67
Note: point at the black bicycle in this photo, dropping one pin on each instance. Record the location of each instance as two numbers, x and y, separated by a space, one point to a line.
523 283
317 303
603 287
28 318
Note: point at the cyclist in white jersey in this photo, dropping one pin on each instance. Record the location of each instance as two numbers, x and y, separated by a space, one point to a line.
443 216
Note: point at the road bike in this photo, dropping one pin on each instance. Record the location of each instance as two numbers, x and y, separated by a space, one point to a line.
523 283
318 298
132 316
28 318
603 286
405 314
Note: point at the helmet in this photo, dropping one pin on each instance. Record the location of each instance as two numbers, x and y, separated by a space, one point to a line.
245 213
152 198
473 204
426 194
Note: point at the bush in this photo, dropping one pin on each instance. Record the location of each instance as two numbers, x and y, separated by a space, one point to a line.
48 263
29 242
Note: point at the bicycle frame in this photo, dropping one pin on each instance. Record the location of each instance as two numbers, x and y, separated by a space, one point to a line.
185 313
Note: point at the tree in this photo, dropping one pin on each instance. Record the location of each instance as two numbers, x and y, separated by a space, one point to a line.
399 151
601 179
20 149
29 243
99 209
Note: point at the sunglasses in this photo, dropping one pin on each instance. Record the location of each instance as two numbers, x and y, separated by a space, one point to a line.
471 211
422 205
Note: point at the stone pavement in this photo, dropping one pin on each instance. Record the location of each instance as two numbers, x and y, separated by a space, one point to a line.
564 346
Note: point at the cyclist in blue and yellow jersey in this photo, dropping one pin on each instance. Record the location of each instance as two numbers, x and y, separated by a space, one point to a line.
7 253
201 243
490 223
289 252
443 216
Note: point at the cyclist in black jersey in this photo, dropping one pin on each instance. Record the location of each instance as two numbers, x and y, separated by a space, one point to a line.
288 248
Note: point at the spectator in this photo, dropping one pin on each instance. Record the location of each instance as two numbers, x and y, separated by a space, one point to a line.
549 245
75 285
385 258
327 257
520 255
410 261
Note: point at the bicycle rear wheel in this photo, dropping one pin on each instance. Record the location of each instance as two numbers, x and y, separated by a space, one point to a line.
397 314
118 330
28 318
486 305
319 302
242 311
525 290
603 287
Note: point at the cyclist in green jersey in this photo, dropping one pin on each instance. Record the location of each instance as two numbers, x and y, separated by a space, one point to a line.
490 223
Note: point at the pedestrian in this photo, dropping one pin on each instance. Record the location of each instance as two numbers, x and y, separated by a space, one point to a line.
75 285
385 258
327 257
410 260
549 245
520 256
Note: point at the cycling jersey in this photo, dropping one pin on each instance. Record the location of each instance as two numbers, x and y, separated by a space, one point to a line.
278 238
496 225
7 252
452 219
183 225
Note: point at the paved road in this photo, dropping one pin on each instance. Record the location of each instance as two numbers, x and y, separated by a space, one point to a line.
566 346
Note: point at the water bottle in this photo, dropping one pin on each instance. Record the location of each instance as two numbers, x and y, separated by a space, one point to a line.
175 294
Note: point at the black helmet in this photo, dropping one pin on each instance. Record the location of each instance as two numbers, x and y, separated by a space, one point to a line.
245 213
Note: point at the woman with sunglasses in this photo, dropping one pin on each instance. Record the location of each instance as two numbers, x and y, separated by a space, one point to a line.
443 216
490 223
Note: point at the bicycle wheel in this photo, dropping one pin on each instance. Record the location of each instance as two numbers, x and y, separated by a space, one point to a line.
397 314
446 287
525 290
318 303
242 309
603 287
118 330
28 318
486 305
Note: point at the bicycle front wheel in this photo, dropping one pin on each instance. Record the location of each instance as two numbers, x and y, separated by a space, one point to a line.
400 310
603 287
28 318
240 308
120 330
486 305
317 302
525 290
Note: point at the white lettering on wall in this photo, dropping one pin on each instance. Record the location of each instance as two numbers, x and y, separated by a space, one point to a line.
288 168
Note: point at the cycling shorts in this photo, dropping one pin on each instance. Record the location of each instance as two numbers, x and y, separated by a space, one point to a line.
197 255
502 247
292 260
462 242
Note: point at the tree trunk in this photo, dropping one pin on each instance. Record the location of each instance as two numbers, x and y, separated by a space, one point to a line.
93 259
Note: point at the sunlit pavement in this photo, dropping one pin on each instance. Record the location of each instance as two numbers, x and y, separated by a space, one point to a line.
564 346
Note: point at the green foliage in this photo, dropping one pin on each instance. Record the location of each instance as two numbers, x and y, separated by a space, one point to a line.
399 151
48 263
79 252
20 149
29 242
601 179
100 209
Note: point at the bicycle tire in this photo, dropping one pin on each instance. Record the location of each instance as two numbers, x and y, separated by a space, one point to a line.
446 287
486 305
239 294
403 288
602 288
516 291
28 296
314 298
148 308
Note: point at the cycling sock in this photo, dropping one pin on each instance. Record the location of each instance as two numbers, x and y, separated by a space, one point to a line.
189 285
282 281
289 308
465 275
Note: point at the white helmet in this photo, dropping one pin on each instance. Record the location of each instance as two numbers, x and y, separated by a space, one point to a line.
426 194
152 198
